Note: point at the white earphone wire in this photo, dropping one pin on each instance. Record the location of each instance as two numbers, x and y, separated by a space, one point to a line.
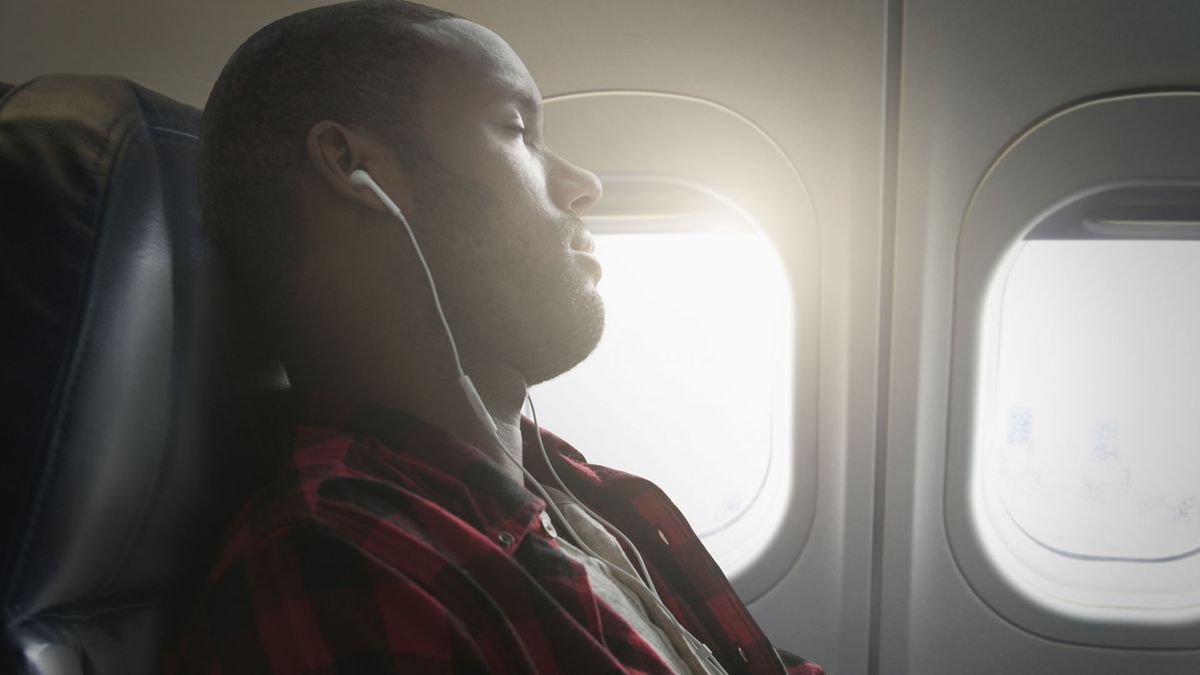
361 177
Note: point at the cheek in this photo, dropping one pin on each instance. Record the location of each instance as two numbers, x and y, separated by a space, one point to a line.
516 174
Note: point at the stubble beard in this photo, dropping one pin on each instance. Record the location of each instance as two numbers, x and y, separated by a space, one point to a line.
511 290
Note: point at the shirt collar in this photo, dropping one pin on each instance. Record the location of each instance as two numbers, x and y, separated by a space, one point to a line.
457 475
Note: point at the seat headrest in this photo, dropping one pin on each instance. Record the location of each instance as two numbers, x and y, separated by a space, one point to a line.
138 395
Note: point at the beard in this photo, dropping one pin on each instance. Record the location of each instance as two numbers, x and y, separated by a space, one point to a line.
508 283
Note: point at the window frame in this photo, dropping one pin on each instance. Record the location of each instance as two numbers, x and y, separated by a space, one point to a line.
1072 160
648 133
680 207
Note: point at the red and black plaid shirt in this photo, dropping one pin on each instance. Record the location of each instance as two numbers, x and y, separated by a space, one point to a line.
387 545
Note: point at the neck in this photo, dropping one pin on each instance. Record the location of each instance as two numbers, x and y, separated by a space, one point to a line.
421 380
502 389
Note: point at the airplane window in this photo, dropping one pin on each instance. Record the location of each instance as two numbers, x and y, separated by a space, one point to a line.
1095 440
686 387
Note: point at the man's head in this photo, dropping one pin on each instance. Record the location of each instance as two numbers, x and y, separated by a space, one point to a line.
446 118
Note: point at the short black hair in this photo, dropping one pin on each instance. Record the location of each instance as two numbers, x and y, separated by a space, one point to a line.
358 63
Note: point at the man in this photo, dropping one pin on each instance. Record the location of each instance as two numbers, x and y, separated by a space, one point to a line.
402 534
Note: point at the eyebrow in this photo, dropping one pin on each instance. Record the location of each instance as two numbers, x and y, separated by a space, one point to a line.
524 99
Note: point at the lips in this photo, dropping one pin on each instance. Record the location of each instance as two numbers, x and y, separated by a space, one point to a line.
583 245
583 242
591 262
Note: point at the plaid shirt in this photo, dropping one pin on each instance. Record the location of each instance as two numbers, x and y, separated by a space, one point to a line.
387 545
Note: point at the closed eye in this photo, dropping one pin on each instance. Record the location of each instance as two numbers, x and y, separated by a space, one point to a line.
524 132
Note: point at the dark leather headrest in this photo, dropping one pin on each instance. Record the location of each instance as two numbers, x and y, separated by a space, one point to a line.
137 395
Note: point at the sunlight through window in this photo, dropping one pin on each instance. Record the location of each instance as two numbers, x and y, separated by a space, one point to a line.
1090 470
686 385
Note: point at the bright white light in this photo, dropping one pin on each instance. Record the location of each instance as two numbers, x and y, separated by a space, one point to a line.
686 385
1090 470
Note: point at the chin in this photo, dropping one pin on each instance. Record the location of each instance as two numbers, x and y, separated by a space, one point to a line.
566 339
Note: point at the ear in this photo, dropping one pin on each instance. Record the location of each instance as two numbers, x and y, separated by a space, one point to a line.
334 151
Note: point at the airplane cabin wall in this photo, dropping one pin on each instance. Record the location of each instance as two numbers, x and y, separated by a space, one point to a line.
976 75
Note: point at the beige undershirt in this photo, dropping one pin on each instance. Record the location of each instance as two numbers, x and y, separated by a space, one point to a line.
618 584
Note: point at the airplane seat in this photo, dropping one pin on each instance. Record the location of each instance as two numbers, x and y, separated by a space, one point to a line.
141 407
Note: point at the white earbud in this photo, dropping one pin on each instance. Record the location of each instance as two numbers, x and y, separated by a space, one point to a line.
361 178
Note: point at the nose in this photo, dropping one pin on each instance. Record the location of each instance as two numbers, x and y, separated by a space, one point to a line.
572 187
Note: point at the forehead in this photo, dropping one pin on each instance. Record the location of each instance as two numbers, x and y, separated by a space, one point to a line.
473 66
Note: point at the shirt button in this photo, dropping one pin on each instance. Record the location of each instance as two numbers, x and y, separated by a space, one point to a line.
506 539
548 525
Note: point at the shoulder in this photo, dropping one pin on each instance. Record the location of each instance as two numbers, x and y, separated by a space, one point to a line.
331 489
307 599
